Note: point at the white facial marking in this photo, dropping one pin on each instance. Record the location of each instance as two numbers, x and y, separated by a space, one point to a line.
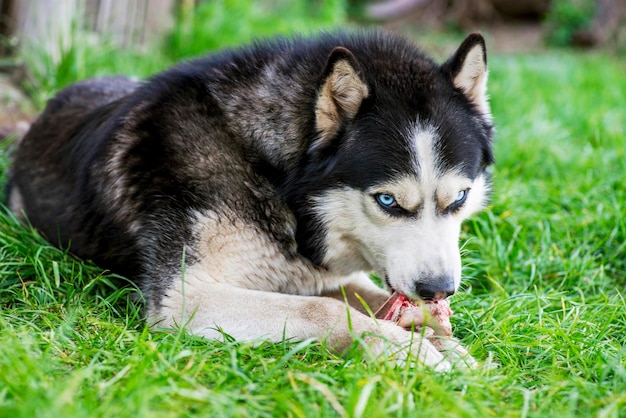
426 162
418 247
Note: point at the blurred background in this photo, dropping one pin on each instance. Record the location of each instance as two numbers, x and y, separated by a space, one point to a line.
45 45
543 291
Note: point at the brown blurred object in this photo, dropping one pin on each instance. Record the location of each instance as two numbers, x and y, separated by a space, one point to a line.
608 24
527 9
465 13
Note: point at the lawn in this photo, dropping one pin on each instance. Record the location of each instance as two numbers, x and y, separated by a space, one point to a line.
542 305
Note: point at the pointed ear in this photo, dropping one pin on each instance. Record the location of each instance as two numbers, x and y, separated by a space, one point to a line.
341 92
468 71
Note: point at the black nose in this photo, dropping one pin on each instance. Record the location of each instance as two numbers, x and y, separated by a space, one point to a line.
438 290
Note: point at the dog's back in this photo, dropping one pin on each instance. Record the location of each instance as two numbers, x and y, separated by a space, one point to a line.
63 156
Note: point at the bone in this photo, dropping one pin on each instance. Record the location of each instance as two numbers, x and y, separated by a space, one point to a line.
406 313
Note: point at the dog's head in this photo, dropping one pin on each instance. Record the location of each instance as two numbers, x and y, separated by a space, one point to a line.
400 158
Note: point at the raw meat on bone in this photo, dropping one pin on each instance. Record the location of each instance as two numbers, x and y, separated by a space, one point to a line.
406 313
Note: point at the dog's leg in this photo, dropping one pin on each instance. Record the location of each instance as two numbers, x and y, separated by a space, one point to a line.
252 315
359 288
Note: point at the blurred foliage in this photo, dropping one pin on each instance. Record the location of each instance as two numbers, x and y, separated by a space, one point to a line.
214 24
566 17
208 25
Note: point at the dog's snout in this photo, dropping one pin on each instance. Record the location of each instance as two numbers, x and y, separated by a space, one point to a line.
437 289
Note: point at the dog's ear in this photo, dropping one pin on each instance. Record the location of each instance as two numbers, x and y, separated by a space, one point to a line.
468 71
339 97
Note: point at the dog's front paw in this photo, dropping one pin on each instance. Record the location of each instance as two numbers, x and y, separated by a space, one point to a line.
453 351
394 342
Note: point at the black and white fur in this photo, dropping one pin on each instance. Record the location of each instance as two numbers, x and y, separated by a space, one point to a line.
282 172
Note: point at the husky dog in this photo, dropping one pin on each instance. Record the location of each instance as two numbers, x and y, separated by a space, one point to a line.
249 192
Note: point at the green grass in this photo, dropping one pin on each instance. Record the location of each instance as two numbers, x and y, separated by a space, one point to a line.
219 23
543 295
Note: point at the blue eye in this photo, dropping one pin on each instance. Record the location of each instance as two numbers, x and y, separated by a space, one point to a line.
458 201
460 198
386 200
